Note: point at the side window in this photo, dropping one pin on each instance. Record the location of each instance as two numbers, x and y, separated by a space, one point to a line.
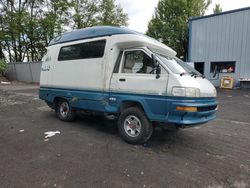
223 67
82 51
137 62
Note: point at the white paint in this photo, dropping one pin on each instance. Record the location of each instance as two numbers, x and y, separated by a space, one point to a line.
51 133
21 130
82 73
7 83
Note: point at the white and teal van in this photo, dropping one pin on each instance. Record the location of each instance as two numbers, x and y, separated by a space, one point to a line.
120 72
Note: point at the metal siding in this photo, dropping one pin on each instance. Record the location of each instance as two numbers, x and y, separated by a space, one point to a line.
231 34
222 38
237 47
189 40
246 50
223 35
247 64
214 39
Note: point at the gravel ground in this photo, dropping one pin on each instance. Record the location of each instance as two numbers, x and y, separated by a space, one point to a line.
90 153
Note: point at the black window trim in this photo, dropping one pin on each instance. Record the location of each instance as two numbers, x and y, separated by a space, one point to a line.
131 50
118 62
105 42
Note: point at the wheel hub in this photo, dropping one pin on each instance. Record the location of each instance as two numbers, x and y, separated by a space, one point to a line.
132 126
64 109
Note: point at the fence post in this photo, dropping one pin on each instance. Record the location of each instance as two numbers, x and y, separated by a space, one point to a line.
15 72
31 75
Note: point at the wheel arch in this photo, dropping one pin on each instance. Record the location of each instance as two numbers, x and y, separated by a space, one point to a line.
131 103
58 98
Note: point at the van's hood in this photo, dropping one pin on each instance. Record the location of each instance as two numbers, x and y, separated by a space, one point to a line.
205 86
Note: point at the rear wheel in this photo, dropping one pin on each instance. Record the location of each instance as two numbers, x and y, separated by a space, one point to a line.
64 111
134 126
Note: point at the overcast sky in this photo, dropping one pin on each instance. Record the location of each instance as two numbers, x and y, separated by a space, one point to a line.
141 11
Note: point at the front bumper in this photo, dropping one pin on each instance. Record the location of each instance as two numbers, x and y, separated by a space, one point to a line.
206 111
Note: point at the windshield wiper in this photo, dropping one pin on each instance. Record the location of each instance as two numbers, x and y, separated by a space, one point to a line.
196 75
192 73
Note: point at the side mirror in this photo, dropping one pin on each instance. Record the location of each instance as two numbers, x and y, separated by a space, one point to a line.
157 67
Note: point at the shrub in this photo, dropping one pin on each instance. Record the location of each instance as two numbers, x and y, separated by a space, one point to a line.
3 67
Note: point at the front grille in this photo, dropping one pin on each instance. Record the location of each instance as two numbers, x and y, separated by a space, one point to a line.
206 108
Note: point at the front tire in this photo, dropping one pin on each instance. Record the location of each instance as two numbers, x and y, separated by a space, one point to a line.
134 127
64 111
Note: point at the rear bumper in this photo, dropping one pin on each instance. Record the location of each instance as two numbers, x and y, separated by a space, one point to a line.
206 111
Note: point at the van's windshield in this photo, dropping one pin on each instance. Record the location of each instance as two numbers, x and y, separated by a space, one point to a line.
177 66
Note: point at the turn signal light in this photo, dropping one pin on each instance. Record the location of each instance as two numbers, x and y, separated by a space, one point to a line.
186 108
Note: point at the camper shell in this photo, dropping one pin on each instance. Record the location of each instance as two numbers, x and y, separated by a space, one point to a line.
121 72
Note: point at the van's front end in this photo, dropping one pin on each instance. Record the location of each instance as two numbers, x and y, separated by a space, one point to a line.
191 97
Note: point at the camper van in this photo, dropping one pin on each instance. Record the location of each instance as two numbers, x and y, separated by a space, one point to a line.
128 75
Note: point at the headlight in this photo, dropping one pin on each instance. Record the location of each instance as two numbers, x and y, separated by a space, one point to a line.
185 92
214 93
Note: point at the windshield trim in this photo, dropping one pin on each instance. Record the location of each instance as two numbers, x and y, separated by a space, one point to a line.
187 69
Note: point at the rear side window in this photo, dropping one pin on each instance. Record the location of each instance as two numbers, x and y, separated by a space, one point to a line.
82 51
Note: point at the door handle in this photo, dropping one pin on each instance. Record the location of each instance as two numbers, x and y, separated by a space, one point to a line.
122 80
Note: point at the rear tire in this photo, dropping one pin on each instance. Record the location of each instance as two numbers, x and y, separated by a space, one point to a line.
134 127
64 111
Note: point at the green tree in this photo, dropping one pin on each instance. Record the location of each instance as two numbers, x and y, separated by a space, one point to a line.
35 43
217 9
169 22
55 19
3 67
13 16
27 26
111 14
85 12
1 53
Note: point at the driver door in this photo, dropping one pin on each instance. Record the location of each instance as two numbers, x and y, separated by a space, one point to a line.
136 75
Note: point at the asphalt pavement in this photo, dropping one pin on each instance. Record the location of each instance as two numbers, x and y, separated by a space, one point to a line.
90 153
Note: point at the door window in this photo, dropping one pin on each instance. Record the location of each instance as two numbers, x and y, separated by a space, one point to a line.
137 62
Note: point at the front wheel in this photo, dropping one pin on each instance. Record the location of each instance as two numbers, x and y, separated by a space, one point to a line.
64 111
134 126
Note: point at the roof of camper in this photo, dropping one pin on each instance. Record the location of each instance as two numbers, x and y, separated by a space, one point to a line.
90 32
